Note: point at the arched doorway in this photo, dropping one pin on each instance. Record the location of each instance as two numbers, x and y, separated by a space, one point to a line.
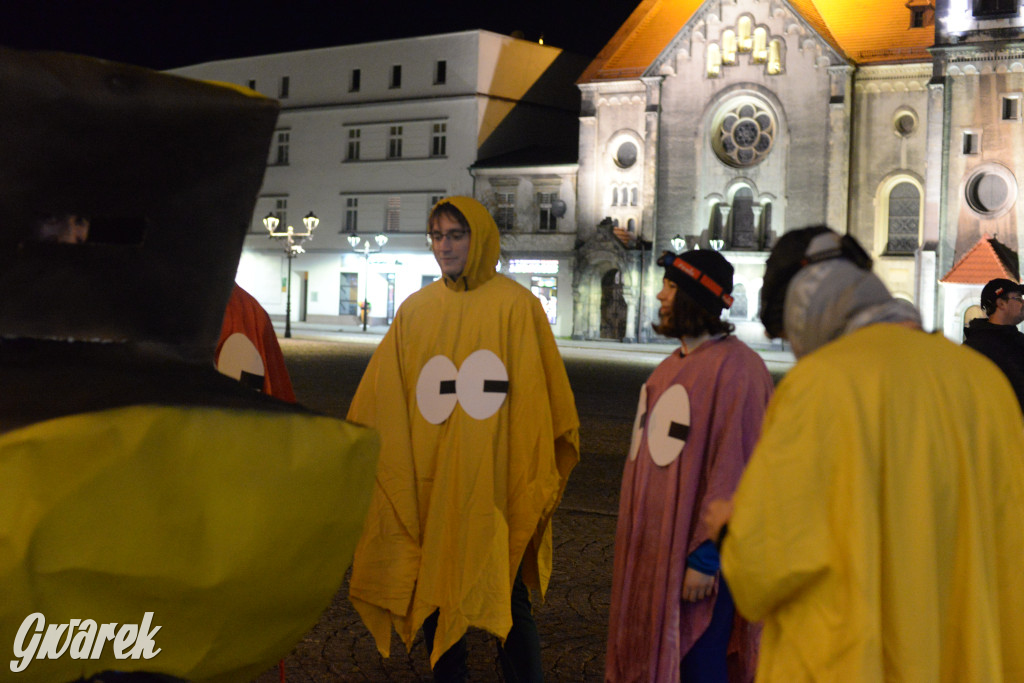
613 306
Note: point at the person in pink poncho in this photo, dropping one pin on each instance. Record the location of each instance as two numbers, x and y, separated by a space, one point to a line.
698 418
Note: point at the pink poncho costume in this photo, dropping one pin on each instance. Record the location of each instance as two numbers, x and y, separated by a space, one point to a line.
697 421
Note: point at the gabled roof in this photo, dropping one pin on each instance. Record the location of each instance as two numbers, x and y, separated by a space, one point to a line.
986 260
864 31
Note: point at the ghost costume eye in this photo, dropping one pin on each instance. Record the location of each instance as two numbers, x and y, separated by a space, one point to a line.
482 384
638 423
435 389
669 425
240 360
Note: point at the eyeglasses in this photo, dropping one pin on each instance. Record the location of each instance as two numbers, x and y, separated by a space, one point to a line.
452 235
1015 298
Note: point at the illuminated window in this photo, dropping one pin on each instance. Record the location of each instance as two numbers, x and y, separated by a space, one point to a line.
728 47
353 81
353 144
775 57
349 299
440 72
760 50
439 140
352 214
396 76
395 142
745 41
714 66
993 9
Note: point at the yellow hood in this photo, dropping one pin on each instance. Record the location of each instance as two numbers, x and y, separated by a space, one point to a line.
484 244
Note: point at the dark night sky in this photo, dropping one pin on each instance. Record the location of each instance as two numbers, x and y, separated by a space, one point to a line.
161 34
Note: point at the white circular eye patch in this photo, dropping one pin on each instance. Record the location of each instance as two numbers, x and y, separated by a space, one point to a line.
435 389
482 384
240 360
669 425
638 423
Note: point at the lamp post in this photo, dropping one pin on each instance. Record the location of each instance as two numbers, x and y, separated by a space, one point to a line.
678 243
292 248
381 239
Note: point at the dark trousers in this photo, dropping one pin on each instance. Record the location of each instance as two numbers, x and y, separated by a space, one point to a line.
706 660
520 656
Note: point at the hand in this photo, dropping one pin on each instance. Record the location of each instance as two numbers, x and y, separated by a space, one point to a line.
697 585
718 513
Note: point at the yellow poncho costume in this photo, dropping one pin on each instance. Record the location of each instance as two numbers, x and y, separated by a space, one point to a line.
479 434
878 541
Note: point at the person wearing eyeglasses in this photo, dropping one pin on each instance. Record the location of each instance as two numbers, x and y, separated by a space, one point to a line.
479 434
997 335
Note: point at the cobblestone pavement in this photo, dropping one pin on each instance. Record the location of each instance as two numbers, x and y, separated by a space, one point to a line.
573 620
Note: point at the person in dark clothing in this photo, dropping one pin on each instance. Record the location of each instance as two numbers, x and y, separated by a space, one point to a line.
997 335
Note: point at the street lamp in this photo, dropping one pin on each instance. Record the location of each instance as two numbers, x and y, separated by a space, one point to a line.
381 239
292 248
678 243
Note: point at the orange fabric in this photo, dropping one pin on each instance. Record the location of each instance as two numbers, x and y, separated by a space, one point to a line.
245 315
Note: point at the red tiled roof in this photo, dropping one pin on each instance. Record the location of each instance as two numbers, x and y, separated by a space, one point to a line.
986 260
864 31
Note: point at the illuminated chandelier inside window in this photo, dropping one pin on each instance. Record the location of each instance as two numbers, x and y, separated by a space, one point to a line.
745 132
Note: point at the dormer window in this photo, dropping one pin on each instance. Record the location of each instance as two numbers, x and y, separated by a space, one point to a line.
922 13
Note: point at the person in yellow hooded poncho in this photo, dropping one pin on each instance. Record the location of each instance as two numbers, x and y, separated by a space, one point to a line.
479 434
878 530
158 519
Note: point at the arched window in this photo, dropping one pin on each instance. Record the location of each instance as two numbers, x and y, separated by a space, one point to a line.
760 51
728 46
775 57
615 196
634 194
904 219
738 310
743 27
743 234
714 66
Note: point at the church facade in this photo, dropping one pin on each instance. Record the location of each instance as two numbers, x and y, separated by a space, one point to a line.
723 124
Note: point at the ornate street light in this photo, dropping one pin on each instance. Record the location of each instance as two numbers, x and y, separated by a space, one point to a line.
381 239
292 247
678 243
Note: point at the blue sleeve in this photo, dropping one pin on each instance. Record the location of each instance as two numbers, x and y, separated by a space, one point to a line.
704 559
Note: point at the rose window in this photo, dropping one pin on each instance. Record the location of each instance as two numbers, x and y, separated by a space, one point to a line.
745 134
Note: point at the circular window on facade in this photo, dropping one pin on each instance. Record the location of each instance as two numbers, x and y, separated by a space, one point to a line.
904 123
625 155
991 190
744 132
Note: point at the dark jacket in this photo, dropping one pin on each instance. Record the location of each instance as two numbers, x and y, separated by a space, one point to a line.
1004 345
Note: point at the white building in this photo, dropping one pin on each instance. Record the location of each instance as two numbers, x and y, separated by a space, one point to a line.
370 136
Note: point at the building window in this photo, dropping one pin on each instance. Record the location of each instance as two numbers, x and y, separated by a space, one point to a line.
738 310
1011 108
904 219
714 60
439 140
545 288
354 79
759 53
728 47
775 57
252 85
971 142
744 132
282 92
904 123
992 9
396 76
353 144
349 299
634 196
547 217
743 234
745 41
440 72
392 219
434 199
283 140
505 213
352 214
991 190
395 143
626 155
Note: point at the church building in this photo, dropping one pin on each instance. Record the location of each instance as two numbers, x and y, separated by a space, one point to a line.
723 124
